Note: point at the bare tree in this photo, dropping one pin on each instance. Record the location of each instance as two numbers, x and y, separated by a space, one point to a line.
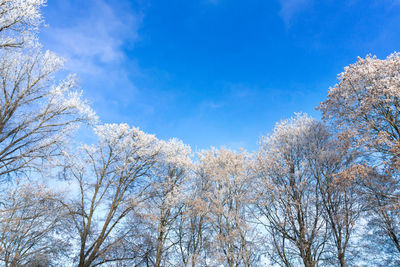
231 237
165 198
287 196
35 113
192 227
330 159
31 222
111 178
365 105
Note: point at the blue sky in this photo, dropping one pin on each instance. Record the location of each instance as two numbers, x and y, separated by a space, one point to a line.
214 72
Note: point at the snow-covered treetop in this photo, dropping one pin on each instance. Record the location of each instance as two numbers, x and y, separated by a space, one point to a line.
365 103
176 153
287 134
19 21
121 137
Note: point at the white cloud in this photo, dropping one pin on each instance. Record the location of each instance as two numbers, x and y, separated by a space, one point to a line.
96 39
291 8
92 38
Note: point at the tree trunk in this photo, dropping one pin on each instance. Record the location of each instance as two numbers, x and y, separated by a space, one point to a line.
308 260
342 260
159 249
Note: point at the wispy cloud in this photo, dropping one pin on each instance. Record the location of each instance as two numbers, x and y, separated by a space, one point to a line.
96 39
94 45
291 8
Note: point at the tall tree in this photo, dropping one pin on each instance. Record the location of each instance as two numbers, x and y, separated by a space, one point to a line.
193 228
165 200
35 113
287 196
232 239
110 178
330 159
365 105
31 224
